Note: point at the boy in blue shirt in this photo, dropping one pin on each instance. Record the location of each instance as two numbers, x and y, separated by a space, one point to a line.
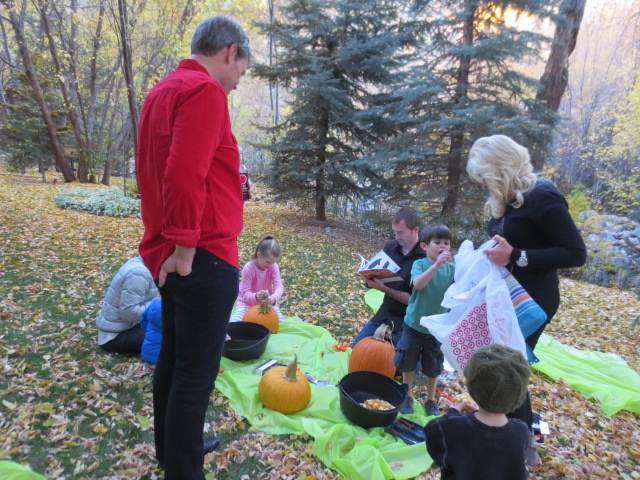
430 277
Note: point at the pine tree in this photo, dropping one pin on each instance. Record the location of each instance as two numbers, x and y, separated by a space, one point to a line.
340 60
24 133
466 86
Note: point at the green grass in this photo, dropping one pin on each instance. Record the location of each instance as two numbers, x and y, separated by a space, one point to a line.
65 402
74 412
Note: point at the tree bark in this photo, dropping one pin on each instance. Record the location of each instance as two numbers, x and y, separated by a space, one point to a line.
320 188
115 88
555 78
274 91
127 68
72 113
93 80
30 71
76 96
4 98
123 138
454 158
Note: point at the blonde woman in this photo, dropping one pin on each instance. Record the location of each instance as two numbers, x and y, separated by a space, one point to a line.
530 221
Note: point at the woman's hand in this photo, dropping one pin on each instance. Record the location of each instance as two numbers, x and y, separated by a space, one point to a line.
501 253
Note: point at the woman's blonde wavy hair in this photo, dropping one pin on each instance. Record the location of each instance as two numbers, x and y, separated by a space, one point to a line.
506 168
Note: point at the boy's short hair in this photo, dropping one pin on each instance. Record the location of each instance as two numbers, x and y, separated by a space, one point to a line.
497 378
409 215
440 232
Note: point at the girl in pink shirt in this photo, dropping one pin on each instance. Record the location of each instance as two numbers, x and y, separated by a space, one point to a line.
261 282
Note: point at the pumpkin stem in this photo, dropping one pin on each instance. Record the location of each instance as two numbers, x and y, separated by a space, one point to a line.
382 333
292 369
263 308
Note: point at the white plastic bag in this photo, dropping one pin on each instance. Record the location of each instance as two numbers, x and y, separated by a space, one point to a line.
481 309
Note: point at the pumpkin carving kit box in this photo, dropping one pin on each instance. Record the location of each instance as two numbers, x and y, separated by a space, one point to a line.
263 367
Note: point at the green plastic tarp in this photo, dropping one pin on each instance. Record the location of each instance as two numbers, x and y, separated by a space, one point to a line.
15 471
604 377
355 452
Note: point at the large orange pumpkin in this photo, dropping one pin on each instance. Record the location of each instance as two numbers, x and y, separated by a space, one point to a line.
264 315
285 389
374 353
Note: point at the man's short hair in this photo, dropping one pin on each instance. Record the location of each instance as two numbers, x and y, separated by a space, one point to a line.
439 232
216 33
409 215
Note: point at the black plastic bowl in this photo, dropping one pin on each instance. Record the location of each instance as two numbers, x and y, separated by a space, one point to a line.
248 341
356 387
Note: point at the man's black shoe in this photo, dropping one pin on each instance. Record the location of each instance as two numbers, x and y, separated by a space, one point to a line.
210 444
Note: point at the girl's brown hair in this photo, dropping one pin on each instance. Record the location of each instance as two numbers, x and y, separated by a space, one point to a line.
268 246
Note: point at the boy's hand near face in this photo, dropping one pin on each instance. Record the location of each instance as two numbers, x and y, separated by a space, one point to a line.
444 257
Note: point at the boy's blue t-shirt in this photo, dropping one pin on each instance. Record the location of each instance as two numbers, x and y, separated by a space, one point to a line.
427 301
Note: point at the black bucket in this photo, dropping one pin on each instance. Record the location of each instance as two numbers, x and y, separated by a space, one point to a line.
357 387
248 341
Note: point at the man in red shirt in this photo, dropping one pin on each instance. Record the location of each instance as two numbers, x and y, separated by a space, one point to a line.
192 206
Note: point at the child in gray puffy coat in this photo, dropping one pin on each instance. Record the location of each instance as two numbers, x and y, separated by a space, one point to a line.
130 293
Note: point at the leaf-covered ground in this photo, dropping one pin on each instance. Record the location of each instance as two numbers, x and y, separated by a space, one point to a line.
71 411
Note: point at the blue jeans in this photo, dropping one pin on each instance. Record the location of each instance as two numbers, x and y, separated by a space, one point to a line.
195 314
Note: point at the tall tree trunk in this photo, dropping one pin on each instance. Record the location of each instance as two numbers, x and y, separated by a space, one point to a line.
117 149
30 71
4 98
320 176
555 78
70 104
90 118
4 112
127 67
274 91
116 86
77 97
321 200
454 158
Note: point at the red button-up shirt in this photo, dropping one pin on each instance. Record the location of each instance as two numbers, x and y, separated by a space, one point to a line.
188 166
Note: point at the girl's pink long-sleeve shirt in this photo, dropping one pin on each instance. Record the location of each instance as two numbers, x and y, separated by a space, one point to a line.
254 280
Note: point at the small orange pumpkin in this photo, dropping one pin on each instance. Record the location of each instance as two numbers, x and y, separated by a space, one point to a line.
264 315
285 389
374 353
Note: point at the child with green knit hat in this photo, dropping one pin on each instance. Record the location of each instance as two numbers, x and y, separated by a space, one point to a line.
479 442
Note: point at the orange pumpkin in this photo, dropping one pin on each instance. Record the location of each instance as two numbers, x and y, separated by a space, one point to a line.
374 353
285 389
264 315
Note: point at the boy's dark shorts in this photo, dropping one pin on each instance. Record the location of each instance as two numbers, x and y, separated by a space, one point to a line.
416 346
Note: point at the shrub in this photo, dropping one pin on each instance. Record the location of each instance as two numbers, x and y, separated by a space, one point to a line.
109 202
580 201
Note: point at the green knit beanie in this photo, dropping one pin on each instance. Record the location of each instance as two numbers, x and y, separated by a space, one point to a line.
497 378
